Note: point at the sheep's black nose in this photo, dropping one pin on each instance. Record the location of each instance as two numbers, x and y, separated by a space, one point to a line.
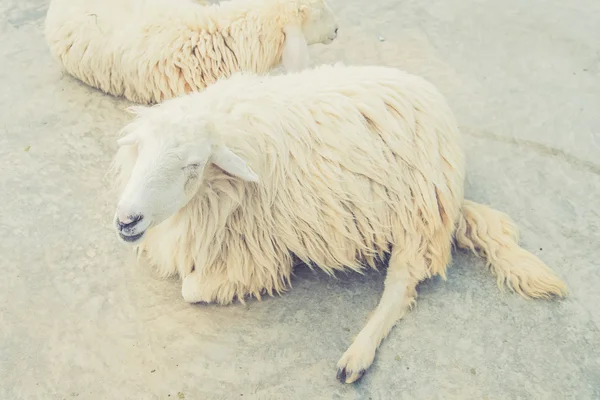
130 221
336 29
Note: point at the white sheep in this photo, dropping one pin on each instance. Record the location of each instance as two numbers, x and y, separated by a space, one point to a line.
339 166
152 50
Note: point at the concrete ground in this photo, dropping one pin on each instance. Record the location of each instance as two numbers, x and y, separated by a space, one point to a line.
79 320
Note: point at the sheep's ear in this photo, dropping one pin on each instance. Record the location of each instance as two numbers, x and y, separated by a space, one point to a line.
295 55
229 162
128 139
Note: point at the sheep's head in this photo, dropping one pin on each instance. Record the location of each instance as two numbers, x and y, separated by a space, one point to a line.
320 24
168 172
317 24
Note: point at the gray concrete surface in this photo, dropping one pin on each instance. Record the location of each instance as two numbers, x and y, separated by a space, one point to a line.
79 320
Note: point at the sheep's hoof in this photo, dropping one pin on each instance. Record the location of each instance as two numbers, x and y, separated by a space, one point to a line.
355 361
346 376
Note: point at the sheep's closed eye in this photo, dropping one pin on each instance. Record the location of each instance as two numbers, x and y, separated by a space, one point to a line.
192 167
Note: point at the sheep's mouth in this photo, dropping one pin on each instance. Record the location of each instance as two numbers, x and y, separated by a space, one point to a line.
131 238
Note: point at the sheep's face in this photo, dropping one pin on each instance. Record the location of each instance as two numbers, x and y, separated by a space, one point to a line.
320 25
167 173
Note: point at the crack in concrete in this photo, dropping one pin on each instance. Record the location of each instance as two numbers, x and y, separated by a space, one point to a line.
541 149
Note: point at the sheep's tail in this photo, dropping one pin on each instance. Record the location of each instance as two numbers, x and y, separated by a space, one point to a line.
492 235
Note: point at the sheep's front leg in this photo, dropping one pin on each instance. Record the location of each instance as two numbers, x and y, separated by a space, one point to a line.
208 288
397 297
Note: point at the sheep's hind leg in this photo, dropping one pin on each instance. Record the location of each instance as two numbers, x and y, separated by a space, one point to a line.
398 295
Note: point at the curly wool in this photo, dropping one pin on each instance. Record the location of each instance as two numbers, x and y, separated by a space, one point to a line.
353 161
152 50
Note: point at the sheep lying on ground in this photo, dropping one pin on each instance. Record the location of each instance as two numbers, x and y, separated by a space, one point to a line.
153 50
338 166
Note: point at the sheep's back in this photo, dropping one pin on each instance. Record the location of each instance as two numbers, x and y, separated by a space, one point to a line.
352 159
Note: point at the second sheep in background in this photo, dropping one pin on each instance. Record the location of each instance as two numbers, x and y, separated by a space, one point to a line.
151 50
